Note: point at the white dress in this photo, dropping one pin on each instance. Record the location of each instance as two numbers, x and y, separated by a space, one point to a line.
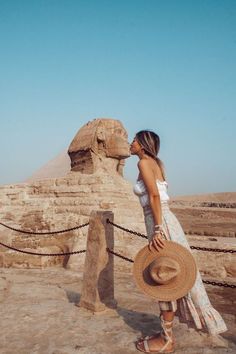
195 308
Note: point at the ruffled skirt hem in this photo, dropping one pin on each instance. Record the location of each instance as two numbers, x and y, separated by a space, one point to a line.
205 319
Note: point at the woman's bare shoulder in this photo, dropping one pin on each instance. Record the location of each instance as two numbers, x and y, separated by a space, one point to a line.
148 166
145 169
144 163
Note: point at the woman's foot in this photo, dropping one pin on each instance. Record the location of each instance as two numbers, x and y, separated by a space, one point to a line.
155 345
156 335
153 336
162 342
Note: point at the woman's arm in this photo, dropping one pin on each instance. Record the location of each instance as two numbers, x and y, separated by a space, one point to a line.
154 197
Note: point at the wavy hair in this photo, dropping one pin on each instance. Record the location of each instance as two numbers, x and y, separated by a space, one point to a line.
150 142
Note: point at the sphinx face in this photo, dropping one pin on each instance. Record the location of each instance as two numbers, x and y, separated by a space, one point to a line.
96 140
116 143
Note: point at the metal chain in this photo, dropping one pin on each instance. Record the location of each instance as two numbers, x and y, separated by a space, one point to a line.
116 225
128 230
192 247
212 249
119 255
225 285
44 232
232 286
42 254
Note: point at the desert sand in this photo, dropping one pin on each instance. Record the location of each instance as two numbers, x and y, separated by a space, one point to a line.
39 315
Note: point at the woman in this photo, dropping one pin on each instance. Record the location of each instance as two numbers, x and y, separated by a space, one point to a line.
195 308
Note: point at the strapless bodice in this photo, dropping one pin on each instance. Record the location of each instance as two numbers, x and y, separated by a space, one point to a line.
141 191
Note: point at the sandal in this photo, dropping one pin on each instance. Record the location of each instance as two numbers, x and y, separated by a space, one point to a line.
157 334
166 334
141 339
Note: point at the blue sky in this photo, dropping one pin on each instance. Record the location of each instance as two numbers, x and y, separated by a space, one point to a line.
168 66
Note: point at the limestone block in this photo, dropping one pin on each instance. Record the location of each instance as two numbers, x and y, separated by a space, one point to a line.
98 280
77 243
12 259
99 144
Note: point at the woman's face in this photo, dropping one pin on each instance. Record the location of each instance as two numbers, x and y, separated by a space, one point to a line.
135 147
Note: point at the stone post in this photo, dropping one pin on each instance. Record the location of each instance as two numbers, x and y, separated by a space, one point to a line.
98 280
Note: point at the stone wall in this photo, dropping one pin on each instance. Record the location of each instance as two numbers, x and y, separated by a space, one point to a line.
62 203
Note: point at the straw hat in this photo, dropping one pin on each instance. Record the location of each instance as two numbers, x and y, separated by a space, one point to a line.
165 275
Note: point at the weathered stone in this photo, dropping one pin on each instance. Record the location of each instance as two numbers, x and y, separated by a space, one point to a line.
98 280
56 207
11 259
102 144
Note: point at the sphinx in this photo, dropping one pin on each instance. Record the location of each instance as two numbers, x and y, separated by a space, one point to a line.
101 144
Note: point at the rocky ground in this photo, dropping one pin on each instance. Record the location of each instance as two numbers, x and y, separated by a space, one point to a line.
39 316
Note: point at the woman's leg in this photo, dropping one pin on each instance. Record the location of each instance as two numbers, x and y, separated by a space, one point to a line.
167 319
168 315
164 340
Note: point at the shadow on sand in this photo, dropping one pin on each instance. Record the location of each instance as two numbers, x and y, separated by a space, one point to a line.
73 296
145 323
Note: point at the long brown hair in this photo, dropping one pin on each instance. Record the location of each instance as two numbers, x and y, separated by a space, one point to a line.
150 142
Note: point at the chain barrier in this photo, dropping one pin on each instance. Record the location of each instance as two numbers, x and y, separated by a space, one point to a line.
114 224
225 285
128 230
192 247
42 254
120 256
232 286
44 232
212 249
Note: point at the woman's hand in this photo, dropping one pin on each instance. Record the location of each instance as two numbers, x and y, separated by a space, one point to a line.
157 241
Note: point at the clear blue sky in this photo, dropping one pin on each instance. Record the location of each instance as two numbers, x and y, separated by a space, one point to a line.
168 66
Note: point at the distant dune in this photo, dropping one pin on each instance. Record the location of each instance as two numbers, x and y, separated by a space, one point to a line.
226 197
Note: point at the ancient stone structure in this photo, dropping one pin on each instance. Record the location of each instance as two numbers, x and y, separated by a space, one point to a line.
57 167
99 144
56 204
95 183
98 279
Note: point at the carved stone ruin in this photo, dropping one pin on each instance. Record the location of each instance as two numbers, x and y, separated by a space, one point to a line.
99 144
98 280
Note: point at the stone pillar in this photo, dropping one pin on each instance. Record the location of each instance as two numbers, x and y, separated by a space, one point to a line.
98 280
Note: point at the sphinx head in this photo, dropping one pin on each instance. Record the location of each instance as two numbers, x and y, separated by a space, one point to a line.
101 143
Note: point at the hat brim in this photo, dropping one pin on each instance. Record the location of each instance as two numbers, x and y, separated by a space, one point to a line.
177 287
